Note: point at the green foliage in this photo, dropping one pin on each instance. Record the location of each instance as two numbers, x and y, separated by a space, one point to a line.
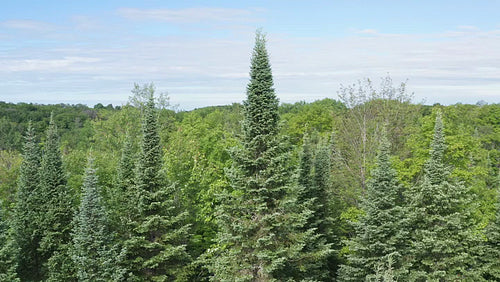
93 253
54 204
315 194
195 159
442 235
10 161
368 110
156 249
489 250
318 116
24 218
381 233
8 252
248 195
260 234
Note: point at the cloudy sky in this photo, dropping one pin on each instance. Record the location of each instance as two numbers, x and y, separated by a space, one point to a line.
199 51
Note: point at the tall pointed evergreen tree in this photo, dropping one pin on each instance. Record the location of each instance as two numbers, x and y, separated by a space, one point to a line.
25 233
381 232
157 247
441 227
260 236
93 253
55 209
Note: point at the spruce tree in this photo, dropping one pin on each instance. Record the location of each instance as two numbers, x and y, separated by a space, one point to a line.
261 235
8 252
93 253
25 233
315 195
322 184
305 176
490 249
442 238
54 211
157 246
380 234
123 198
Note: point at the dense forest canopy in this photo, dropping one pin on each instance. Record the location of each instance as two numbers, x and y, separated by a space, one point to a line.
370 186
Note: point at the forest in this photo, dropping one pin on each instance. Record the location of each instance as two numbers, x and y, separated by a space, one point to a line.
369 187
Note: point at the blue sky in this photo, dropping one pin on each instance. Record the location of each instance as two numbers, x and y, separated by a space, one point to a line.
199 51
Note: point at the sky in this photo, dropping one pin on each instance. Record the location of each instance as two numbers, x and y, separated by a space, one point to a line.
199 52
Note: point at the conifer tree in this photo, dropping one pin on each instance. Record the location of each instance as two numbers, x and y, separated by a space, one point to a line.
93 252
157 246
322 183
305 176
490 250
261 235
442 238
8 252
125 172
315 183
25 233
55 210
123 199
381 232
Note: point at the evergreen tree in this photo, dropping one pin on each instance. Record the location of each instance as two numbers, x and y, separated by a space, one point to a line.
322 183
305 176
123 198
125 172
157 246
490 255
8 252
25 233
93 255
441 227
260 236
55 210
315 185
380 234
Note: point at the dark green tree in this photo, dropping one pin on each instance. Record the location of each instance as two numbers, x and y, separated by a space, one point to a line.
93 254
261 235
380 234
322 185
25 233
441 228
157 246
54 211
315 185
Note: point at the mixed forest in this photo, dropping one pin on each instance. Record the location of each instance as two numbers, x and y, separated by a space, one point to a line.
369 187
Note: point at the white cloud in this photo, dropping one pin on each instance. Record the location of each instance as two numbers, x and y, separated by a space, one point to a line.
27 25
213 71
189 15
47 65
